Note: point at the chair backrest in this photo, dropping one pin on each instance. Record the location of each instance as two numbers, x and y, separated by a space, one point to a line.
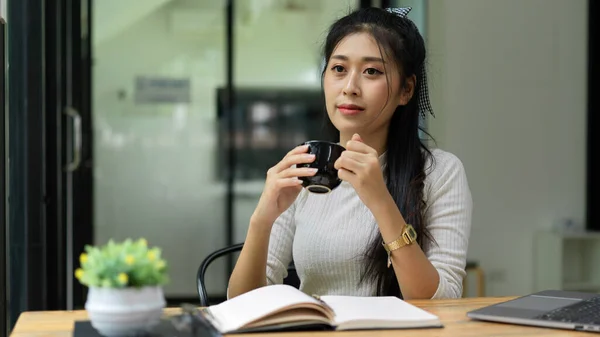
292 278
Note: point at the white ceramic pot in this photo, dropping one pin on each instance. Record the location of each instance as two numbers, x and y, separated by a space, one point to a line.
127 311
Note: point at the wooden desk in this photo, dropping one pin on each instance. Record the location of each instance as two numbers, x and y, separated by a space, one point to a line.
451 312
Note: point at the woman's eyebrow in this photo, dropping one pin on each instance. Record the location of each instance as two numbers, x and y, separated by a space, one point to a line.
364 59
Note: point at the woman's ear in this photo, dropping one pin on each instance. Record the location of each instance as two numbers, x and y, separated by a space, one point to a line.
407 90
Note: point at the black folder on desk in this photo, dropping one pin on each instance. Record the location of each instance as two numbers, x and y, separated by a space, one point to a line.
164 328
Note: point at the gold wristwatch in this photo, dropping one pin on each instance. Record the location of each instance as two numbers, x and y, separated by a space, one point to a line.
409 235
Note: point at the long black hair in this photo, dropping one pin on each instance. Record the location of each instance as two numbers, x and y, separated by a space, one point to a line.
406 153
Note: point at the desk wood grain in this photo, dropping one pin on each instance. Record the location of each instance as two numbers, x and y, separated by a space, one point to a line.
451 312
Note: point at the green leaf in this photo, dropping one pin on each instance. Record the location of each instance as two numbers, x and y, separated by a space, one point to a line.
143 265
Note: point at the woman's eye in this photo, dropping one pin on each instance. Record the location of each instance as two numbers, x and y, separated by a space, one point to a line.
337 69
373 71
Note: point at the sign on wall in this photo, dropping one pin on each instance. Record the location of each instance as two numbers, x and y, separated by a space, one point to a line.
152 90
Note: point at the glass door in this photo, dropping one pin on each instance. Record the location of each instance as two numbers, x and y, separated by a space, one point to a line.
77 143
157 67
68 156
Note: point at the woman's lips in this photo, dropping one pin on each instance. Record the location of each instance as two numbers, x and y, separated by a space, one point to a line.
350 109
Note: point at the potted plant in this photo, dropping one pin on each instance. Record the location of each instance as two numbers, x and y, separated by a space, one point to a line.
125 282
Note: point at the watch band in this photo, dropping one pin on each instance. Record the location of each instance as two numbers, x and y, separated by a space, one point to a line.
408 236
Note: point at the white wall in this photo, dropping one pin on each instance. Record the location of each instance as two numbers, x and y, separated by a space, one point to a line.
508 82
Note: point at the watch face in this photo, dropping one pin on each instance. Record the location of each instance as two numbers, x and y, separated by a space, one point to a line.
412 232
409 234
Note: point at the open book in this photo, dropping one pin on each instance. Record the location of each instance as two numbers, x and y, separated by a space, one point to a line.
283 307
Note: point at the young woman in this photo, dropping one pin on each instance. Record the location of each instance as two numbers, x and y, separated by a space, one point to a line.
397 195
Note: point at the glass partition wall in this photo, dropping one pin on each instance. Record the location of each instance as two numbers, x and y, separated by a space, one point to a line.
163 71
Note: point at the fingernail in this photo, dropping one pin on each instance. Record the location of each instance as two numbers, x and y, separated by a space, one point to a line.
313 169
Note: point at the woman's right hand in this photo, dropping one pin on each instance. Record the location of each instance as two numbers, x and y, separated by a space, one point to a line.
282 185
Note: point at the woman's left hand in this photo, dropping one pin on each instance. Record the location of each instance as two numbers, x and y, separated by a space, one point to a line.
359 165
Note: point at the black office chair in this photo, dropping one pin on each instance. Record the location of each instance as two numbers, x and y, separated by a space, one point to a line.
291 279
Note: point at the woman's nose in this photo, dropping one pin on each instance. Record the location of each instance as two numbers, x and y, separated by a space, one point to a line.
352 86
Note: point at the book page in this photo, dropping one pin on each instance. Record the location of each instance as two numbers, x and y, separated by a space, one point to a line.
243 309
353 312
307 316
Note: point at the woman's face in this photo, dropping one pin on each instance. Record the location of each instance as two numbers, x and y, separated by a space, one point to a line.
360 93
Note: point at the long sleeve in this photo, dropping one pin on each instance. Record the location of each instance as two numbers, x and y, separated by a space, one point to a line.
449 222
280 246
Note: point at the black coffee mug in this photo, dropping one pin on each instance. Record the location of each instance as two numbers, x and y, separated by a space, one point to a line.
326 179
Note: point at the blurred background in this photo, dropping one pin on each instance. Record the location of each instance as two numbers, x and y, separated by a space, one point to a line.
159 118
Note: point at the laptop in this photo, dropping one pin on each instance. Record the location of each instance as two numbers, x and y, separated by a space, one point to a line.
550 309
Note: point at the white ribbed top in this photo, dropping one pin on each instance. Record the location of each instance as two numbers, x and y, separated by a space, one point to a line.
326 235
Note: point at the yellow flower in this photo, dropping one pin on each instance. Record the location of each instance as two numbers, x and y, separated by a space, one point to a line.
160 264
123 278
143 242
79 273
151 255
129 260
83 258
